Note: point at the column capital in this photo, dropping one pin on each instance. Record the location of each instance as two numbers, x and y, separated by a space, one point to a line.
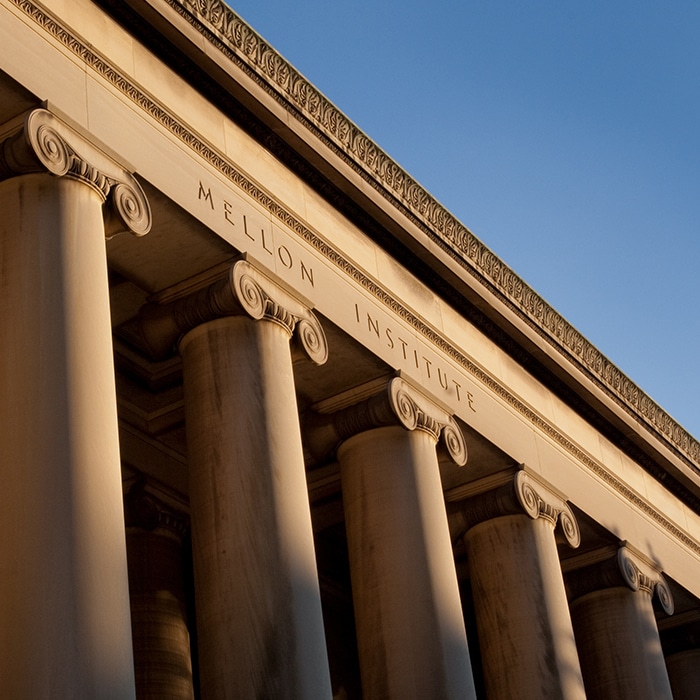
626 566
640 574
516 493
243 290
400 404
42 142
143 509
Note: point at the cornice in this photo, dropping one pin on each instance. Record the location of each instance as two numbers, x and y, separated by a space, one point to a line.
688 447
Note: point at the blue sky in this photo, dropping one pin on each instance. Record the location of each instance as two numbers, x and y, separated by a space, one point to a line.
565 135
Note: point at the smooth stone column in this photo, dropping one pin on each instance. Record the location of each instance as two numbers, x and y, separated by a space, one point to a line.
684 674
64 600
259 622
410 627
162 658
616 632
525 634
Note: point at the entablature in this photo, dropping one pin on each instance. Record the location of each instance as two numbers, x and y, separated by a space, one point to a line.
298 124
309 134
207 202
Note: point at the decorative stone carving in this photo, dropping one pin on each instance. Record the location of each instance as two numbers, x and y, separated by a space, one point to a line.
522 492
245 290
639 575
400 404
627 568
44 143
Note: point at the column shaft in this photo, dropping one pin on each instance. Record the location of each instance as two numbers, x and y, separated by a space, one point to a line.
64 625
684 674
162 658
525 633
260 629
410 626
619 646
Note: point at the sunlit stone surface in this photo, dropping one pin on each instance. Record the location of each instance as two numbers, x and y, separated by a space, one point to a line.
223 308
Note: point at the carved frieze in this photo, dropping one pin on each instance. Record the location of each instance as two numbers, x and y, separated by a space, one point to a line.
399 404
42 142
244 290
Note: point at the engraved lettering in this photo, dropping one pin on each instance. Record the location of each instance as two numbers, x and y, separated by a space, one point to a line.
372 325
307 272
262 231
390 340
228 212
205 194
265 240
428 367
245 228
285 257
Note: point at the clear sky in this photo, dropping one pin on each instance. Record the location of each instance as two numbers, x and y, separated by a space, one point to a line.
565 135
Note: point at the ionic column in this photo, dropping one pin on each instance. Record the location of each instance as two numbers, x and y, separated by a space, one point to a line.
260 630
64 602
616 632
410 628
162 659
684 674
525 634
680 639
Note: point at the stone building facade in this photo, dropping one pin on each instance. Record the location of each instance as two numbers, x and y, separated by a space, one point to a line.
273 424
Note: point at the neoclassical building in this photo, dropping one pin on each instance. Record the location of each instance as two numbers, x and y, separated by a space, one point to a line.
274 424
